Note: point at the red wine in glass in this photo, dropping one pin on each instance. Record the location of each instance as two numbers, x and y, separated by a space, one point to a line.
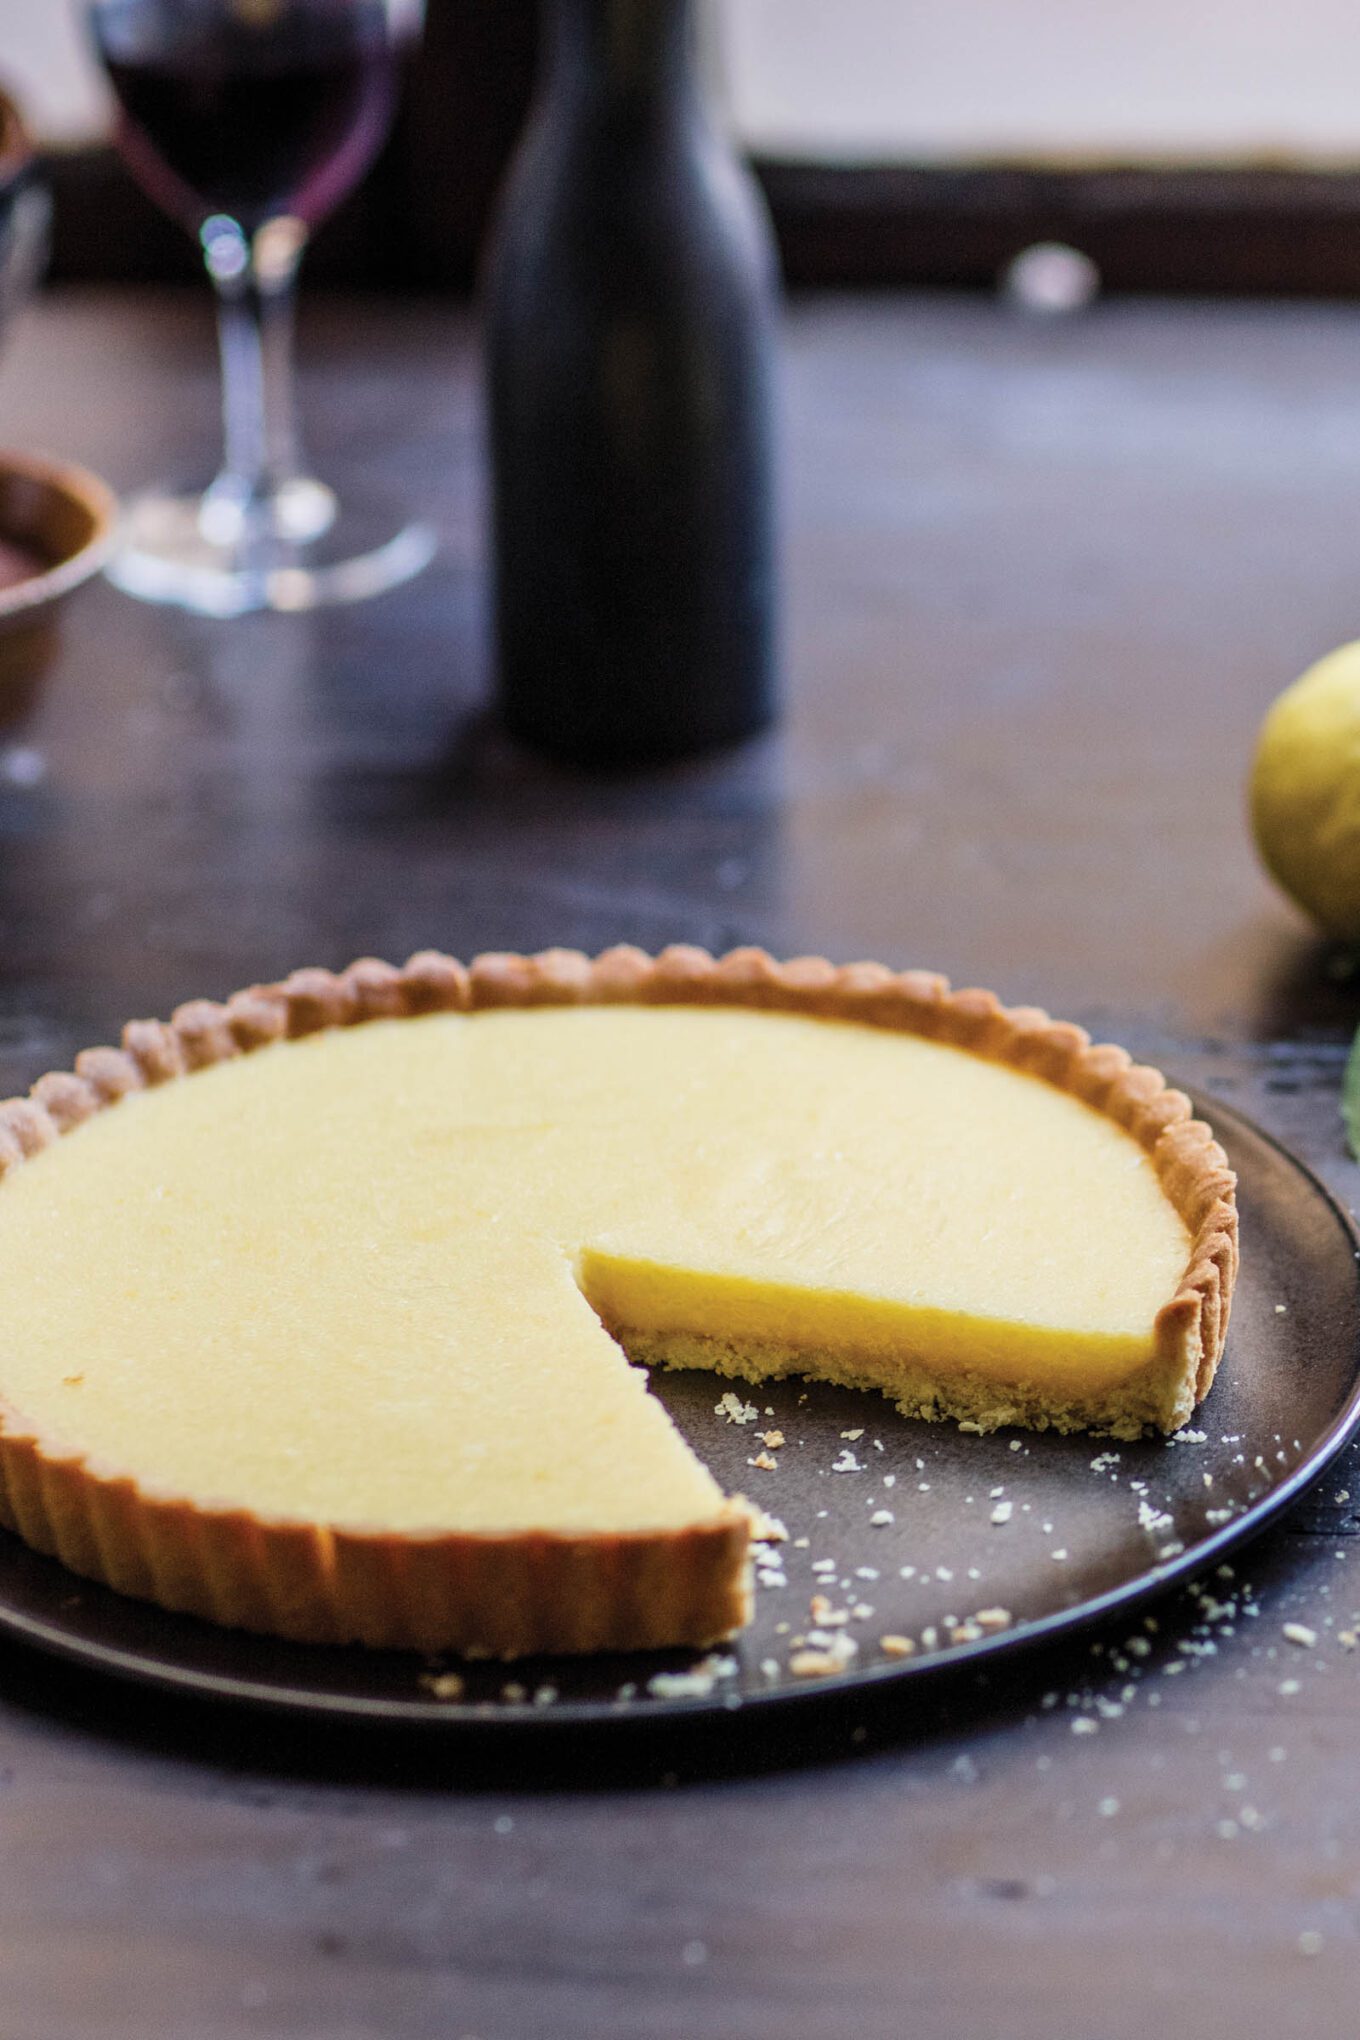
248 120
217 116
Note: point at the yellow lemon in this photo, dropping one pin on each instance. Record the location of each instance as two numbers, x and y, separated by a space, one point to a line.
1305 792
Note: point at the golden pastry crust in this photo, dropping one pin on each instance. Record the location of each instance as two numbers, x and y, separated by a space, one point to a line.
513 1595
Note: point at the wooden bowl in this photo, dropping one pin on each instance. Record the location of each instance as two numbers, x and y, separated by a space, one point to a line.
56 526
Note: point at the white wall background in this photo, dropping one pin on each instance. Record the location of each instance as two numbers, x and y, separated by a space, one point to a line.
43 55
941 80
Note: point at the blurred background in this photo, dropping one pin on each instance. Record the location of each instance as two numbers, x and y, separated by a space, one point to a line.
1183 145
1004 537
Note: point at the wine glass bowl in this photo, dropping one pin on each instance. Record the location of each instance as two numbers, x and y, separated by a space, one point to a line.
248 121
250 111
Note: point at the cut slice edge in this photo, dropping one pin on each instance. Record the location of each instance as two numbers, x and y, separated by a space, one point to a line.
508 1595
930 1362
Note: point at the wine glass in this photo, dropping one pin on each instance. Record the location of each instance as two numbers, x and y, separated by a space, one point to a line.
249 120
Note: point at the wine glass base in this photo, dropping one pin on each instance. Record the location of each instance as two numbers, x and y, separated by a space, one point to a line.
172 548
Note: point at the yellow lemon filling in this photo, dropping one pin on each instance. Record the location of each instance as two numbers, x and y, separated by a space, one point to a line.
371 1277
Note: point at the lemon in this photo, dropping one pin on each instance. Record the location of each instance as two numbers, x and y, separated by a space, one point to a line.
1305 792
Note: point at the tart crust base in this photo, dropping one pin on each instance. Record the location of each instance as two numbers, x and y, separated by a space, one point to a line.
515 1595
1158 1397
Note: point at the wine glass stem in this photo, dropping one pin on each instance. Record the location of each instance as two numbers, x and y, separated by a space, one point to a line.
260 493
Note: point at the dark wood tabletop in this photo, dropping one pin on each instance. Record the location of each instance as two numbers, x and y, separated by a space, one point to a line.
1043 579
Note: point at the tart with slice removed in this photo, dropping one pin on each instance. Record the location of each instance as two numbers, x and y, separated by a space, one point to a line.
319 1304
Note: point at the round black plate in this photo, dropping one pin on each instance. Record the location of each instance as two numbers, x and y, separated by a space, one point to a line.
1093 1526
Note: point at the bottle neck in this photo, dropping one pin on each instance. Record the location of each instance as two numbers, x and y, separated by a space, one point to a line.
630 52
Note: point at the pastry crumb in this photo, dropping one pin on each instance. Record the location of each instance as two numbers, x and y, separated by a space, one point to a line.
1299 1633
824 1659
813 1664
734 1410
765 1461
825 1614
695 1684
1003 1512
896 1646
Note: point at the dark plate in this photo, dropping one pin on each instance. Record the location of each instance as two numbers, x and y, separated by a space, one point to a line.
1095 1526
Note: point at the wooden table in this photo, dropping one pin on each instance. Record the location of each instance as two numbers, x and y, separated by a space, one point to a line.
1043 580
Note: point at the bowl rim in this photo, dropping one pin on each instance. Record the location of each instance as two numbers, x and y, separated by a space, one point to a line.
94 496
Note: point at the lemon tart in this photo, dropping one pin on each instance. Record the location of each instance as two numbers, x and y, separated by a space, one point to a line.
323 1328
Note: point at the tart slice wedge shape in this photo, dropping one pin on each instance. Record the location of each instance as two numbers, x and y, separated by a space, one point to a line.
323 1328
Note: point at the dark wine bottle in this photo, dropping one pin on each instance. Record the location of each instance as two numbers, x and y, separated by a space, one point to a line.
630 309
